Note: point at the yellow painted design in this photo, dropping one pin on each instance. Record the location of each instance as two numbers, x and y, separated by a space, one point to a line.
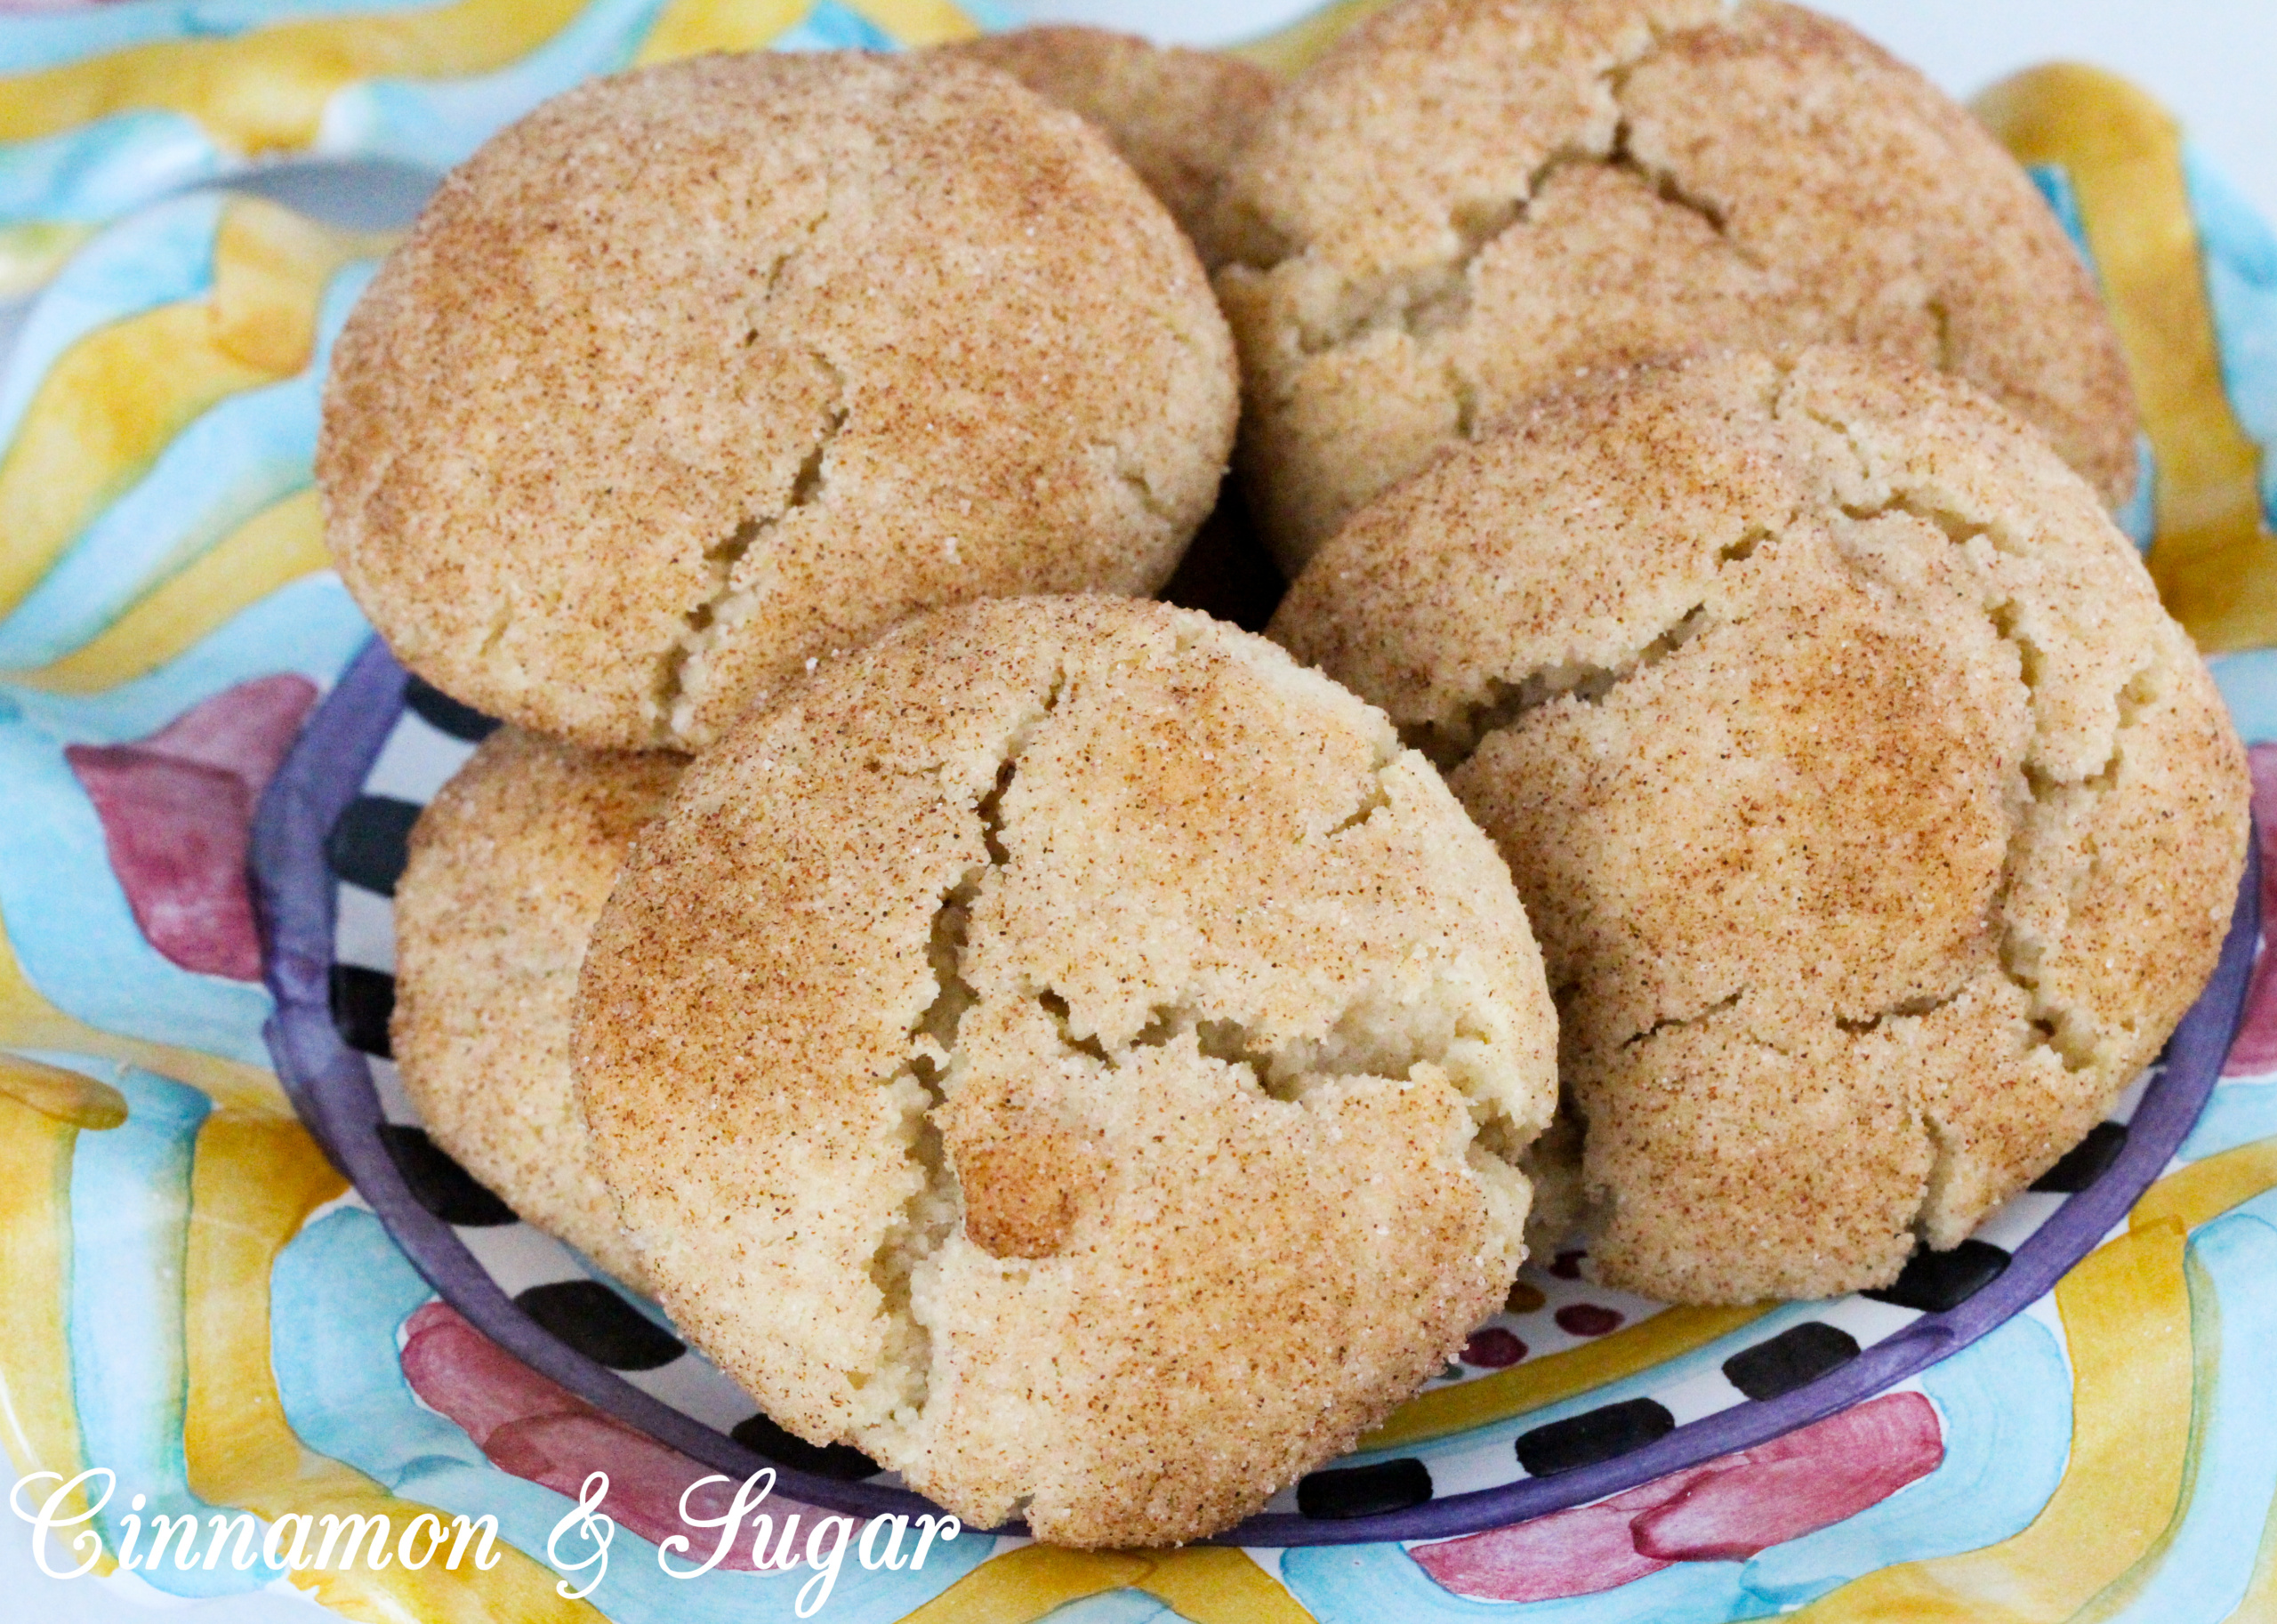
917 22
2127 1321
39 1419
265 91
34 250
2205 1190
2214 559
1028 1583
1290 50
1546 1380
81 1102
1204 1584
2205 1374
28 1021
270 266
275 547
690 27
112 402
252 1184
1211 1585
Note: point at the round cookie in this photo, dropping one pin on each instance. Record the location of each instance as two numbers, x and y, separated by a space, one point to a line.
1075 1055
1177 116
1877 822
1464 202
510 866
705 371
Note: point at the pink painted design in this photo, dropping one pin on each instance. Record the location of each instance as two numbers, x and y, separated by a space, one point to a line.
1580 1552
177 814
1726 1510
2254 1052
537 1430
1792 1485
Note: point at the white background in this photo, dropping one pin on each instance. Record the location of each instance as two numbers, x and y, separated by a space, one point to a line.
2213 62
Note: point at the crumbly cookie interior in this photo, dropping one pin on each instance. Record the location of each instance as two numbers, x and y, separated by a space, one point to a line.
993 1164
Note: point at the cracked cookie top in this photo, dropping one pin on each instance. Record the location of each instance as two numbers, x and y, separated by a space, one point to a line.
1177 116
704 371
1876 822
508 867
1077 1056
1464 202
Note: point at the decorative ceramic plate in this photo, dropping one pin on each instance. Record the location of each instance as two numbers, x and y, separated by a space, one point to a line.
1576 1392
2071 1415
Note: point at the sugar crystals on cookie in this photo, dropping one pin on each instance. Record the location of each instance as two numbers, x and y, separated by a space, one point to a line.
704 371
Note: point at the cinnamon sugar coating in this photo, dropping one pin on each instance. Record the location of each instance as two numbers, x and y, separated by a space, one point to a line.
1177 116
706 370
1876 822
1465 201
1075 1055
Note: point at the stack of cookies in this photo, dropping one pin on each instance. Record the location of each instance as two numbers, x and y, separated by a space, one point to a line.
1720 791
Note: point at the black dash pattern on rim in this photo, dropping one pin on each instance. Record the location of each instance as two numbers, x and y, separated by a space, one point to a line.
841 1462
1604 1434
599 1324
445 714
2084 1162
369 844
1796 1357
362 1001
439 1183
1365 1491
1935 1281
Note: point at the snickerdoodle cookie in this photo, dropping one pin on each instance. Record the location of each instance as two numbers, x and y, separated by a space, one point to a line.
1077 1056
1465 201
705 371
510 866
1876 822
1177 116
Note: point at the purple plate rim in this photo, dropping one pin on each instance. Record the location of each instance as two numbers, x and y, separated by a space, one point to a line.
331 1086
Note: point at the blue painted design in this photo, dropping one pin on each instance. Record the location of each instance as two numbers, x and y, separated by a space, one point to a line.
832 27
2055 183
340 1292
251 451
101 170
312 626
161 257
2241 257
2239 1113
2248 685
130 1208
